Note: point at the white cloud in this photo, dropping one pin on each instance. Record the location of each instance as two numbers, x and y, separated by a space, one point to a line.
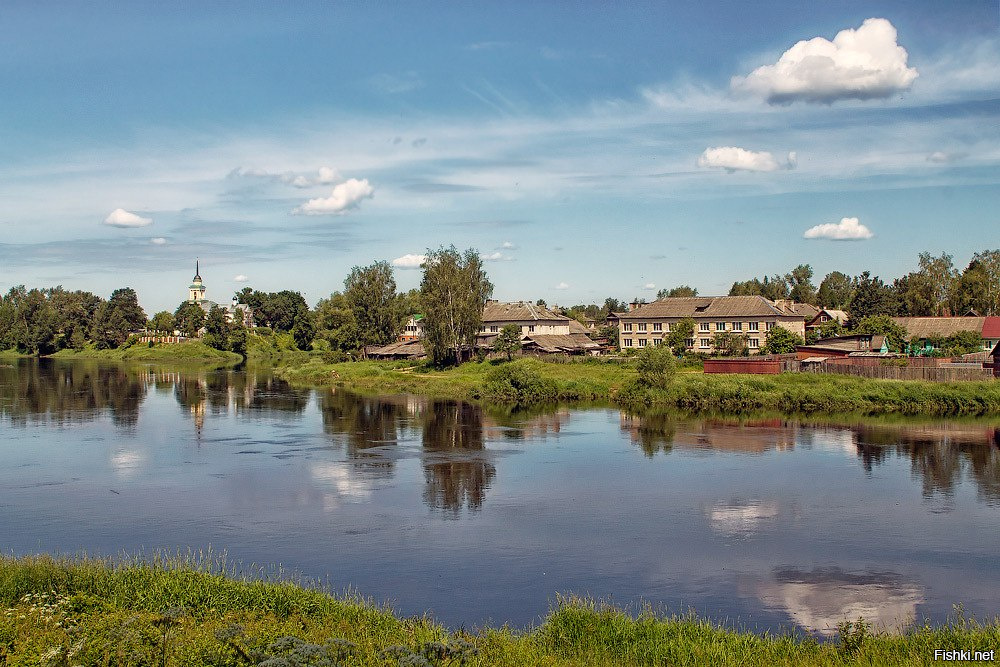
496 256
507 245
562 285
327 176
862 64
122 218
733 158
649 286
158 240
240 278
409 261
940 157
848 229
345 197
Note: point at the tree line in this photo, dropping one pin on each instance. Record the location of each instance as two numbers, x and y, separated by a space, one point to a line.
936 288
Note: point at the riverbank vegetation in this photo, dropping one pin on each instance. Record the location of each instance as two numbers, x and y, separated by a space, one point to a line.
189 352
199 611
529 381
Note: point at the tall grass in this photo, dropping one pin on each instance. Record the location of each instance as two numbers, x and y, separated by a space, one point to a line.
200 611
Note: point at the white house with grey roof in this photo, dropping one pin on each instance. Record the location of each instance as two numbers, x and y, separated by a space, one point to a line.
749 316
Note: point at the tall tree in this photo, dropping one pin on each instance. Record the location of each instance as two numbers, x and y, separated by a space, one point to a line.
371 293
454 291
118 316
189 318
217 329
335 323
508 341
680 332
801 288
835 291
978 288
872 297
929 290
162 321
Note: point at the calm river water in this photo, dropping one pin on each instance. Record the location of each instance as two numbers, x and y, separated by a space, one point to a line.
476 517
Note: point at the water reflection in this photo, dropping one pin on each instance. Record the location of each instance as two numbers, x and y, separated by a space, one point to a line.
742 518
941 454
457 469
818 600
33 391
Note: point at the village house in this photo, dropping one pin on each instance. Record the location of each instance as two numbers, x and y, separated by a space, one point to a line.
543 330
827 315
749 316
413 329
925 330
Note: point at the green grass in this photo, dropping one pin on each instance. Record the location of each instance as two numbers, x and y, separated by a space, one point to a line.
197 611
690 390
189 352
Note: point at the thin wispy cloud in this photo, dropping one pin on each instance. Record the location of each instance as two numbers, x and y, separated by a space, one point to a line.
848 229
240 278
158 240
862 64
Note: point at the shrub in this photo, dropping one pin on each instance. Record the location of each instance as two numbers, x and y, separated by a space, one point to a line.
519 382
656 366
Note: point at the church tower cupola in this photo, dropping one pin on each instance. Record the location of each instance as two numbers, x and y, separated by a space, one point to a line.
196 290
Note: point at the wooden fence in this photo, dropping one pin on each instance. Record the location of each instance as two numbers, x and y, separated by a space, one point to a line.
942 373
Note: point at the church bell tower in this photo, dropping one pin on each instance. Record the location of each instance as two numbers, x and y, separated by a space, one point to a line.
196 291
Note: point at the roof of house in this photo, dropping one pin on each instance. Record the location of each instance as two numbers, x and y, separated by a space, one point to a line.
409 348
991 327
576 328
709 306
519 311
838 315
926 327
806 311
561 343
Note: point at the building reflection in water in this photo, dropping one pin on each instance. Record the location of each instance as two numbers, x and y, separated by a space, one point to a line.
819 600
662 431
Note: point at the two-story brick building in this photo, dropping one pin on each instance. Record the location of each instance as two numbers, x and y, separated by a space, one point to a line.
749 316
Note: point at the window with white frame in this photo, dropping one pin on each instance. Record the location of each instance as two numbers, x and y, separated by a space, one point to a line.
657 341
626 342
626 326
753 326
657 326
720 326
737 326
768 326
705 342
668 327
689 342
704 326
494 328
642 326
642 342
531 328
753 343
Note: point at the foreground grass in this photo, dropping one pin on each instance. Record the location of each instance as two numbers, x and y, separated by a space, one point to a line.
804 393
189 352
185 612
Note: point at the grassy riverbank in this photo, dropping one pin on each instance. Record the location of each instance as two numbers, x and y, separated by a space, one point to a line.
183 612
190 352
530 381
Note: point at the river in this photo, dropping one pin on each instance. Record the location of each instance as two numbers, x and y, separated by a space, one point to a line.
478 516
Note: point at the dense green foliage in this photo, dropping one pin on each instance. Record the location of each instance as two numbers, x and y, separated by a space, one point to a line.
453 293
780 340
656 366
519 382
508 341
189 318
198 611
882 325
370 293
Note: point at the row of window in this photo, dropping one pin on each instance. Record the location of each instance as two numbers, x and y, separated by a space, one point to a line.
494 328
641 327
703 343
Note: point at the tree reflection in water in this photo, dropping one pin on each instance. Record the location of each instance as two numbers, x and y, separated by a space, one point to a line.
457 472
37 390
368 425
940 455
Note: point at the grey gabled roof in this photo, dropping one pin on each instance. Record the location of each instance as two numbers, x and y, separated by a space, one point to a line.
519 311
708 306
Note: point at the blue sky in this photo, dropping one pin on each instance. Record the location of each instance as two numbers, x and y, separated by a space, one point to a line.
585 149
